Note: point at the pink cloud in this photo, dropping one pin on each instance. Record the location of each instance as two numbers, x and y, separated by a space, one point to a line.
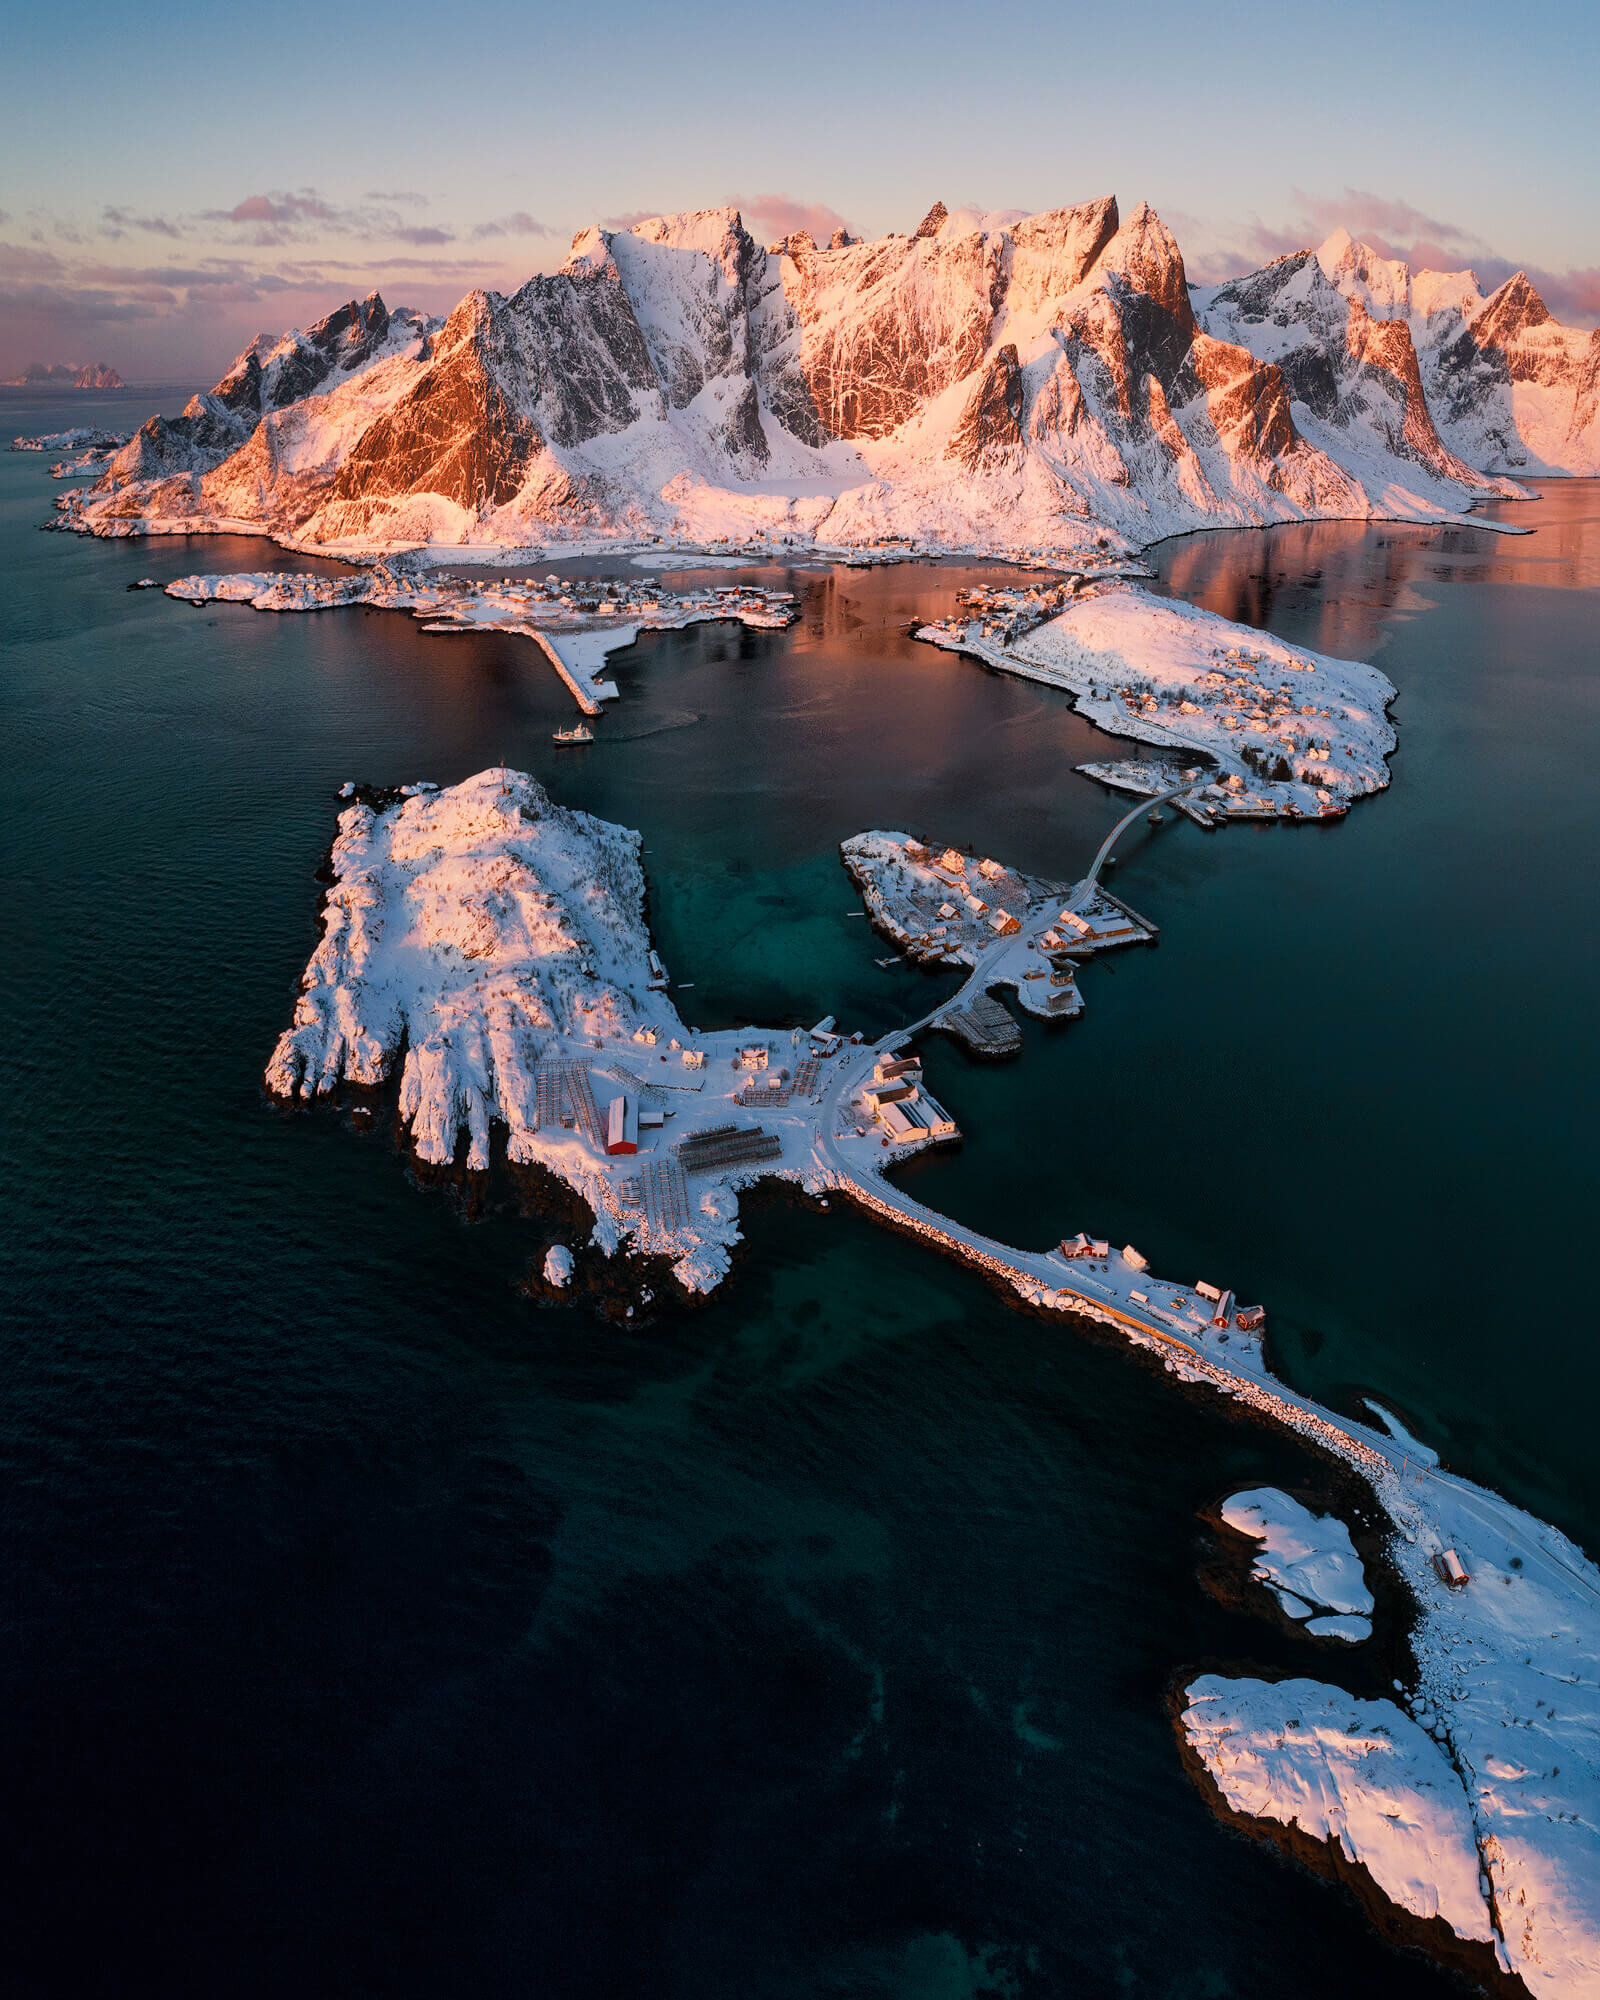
782 215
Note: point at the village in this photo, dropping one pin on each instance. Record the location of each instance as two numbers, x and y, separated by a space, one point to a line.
941 906
577 623
1278 731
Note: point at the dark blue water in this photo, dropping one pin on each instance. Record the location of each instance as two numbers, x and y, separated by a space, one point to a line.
367 1628
1358 1078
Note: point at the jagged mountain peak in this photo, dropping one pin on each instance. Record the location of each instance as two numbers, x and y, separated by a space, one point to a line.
1514 307
1145 253
1383 284
993 380
707 229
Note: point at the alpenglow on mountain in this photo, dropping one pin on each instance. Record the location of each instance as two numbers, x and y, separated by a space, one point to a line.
987 383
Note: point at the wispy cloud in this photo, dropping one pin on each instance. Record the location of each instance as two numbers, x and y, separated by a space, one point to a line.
518 223
270 220
118 222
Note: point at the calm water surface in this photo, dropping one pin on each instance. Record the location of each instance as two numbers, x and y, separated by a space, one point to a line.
369 1629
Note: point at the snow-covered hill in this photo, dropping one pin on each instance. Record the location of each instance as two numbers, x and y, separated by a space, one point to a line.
986 383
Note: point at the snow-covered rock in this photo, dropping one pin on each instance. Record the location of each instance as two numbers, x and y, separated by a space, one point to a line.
471 926
1307 1560
558 1265
1359 1775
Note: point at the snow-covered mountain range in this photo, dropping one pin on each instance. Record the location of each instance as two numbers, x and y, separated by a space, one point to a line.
65 375
988 382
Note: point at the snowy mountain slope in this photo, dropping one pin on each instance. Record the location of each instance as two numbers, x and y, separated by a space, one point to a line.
989 382
1515 387
160 471
1447 376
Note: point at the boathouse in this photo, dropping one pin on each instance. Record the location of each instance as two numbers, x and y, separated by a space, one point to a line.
622 1126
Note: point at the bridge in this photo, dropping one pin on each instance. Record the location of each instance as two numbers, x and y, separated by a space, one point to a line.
1083 890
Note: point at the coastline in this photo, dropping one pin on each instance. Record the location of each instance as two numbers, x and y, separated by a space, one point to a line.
1273 1417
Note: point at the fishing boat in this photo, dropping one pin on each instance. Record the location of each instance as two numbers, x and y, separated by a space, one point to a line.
581 733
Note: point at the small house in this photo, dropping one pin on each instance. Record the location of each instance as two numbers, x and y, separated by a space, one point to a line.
1452 1570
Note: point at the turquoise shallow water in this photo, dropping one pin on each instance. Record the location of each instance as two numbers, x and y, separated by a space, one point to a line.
367 1627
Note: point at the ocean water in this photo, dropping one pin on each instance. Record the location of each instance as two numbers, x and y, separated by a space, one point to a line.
369 1628
1364 1053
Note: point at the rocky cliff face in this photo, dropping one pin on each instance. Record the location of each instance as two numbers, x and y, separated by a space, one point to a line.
980 383
1356 377
158 472
1451 379
1516 387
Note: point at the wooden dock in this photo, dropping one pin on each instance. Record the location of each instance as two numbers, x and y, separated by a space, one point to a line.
983 1025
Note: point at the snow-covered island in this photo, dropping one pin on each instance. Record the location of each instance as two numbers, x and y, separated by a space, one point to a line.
1358 1778
944 907
576 622
1284 732
1306 1560
81 437
499 940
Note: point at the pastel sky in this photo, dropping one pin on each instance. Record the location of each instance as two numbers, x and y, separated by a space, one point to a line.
172 182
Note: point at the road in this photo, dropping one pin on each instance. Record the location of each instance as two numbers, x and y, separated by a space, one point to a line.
1110 1293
